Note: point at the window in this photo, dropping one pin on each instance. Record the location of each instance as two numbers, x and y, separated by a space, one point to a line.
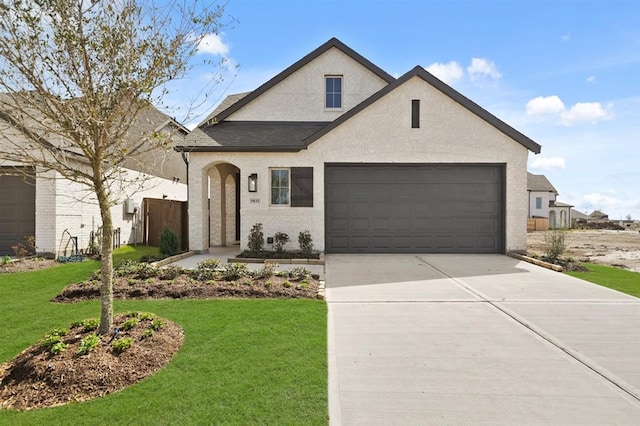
333 91
280 187
538 202
415 114
292 186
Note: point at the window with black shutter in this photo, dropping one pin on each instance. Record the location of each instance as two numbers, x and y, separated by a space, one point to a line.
301 186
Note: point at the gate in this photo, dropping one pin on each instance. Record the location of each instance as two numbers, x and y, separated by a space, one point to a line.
158 213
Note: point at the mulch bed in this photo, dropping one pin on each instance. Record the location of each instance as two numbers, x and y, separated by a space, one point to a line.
28 264
185 287
37 379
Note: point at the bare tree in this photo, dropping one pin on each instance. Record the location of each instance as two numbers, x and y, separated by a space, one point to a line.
76 75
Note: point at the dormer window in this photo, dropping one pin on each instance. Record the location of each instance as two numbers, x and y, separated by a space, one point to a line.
333 92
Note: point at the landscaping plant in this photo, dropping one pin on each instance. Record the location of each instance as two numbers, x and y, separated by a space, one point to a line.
279 240
256 239
169 244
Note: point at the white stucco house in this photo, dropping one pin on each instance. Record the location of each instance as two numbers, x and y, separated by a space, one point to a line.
364 161
54 209
543 202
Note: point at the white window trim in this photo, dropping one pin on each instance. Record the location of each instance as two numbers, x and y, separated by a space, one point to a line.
288 169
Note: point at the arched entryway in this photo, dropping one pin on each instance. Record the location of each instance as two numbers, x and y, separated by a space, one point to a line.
552 219
224 204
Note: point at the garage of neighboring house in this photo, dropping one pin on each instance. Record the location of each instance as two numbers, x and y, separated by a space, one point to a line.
404 208
17 209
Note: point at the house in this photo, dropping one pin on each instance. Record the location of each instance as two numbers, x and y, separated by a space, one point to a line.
364 161
63 215
543 202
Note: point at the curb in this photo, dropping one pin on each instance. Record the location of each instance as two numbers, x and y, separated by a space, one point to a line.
537 262
319 261
168 260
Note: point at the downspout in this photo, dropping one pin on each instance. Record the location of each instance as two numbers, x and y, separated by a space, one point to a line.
185 158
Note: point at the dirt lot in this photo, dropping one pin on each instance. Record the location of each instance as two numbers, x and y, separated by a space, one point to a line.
617 248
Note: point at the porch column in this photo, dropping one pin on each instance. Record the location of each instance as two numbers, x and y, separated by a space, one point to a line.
198 209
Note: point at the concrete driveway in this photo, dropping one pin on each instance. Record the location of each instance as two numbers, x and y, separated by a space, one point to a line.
467 339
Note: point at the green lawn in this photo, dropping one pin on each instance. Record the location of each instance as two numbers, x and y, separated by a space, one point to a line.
614 278
243 361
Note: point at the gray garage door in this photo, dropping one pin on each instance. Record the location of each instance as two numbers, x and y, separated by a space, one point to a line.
17 210
420 208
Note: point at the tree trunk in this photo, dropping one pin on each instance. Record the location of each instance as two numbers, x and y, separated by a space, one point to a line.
106 288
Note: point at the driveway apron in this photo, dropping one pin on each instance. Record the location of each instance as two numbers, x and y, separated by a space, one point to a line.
467 339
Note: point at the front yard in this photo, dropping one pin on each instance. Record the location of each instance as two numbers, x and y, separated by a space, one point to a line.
259 361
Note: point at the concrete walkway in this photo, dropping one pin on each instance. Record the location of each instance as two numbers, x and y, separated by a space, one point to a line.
468 339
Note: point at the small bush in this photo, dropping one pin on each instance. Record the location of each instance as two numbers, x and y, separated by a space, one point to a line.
157 324
206 270
554 244
58 348
88 344
4 260
53 337
305 242
169 244
145 270
256 239
149 332
279 240
234 271
129 324
300 273
147 316
171 272
26 248
122 344
267 271
126 267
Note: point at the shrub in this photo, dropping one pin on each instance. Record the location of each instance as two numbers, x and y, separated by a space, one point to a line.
150 258
171 272
88 344
279 240
58 347
305 242
147 316
53 337
256 239
300 273
4 260
169 243
27 248
148 333
267 271
122 344
129 324
206 270
554 244
156 324
234 271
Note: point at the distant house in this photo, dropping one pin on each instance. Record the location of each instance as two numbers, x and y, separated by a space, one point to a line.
56 211
597 216
543 202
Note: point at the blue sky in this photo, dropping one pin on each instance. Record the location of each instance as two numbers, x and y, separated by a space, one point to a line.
565 73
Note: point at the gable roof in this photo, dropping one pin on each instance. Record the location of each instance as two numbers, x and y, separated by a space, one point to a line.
539 183
420 72
334 42
300 140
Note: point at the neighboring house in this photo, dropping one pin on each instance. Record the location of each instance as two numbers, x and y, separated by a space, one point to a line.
53 209
364 161
577 217
543 202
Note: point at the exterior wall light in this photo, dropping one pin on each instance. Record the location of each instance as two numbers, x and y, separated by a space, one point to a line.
253 182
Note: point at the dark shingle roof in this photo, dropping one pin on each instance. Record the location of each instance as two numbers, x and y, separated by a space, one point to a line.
256 136
539 183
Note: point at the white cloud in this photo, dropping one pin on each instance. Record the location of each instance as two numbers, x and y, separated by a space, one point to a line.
482 68
585 112
550 163
213 44
449 73
591 79
545 105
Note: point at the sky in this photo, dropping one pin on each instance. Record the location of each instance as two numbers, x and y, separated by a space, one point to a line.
565 73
